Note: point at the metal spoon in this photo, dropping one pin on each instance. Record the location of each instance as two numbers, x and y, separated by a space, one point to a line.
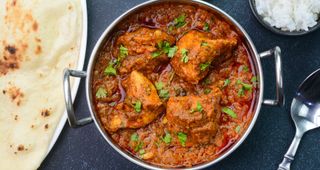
305 112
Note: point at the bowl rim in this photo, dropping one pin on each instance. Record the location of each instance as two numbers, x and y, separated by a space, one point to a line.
277 30
253 53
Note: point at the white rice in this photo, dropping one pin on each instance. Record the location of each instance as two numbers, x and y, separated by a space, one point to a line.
289 15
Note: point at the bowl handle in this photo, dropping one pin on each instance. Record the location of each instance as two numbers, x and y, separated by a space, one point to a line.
280 99
73 122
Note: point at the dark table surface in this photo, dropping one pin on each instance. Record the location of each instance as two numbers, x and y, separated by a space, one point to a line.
85 148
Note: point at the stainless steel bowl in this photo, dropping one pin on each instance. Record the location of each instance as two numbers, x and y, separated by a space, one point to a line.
255 57
277 30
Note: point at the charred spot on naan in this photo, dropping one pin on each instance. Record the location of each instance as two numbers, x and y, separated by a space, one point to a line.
16 117
45 112
20 148
21 25
14 93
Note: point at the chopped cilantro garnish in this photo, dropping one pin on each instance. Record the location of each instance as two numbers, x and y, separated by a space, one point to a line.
138 147
206 27
184 53
245 68
254 79
155 54
101 93
197 109
142 151
164 94
110 70
203 44
207 91
134 137
159 85
164 46
241 92
137 106
229 112
180 21
244 87
204 66
167 138
237 129
123 51
112 103
247 86
226 82
182 138
160 44
170 28
172 51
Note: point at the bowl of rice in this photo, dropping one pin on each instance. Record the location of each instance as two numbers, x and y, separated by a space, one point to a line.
288 17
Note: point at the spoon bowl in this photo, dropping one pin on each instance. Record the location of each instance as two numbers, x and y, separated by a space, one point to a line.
305 113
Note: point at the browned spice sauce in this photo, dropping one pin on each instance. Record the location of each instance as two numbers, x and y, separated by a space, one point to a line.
174 85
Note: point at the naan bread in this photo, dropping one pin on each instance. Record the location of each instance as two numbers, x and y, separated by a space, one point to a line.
38 40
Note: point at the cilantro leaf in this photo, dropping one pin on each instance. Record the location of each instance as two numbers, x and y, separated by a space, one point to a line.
164 94
206 27
180 21
204 66
172 51
245 68
134 137
241 92
247 86
123 51
167 138
159 85
110 70
182 138
142 151
138 147
137 106
237 129
229 112
101 93
244 87
226 82
254 79
166 47
203 44
184 53
155 54
199 107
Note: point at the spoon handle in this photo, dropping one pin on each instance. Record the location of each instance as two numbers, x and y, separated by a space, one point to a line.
289 156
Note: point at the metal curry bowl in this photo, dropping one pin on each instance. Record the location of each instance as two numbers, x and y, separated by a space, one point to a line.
255 57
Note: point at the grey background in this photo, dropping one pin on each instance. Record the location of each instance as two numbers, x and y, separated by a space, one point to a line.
85 148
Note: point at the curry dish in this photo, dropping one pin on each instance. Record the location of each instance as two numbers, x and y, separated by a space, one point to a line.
174 85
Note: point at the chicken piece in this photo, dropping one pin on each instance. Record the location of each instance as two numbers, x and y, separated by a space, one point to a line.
197 116
140 107
143 62
144 49
196 53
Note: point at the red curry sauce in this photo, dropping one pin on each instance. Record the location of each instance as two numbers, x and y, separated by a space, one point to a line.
174 85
